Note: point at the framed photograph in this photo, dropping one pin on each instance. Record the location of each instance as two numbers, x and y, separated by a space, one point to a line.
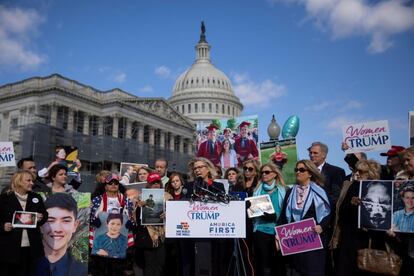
134 190
22 219
259 205
403 206
154 206
375 210
129 172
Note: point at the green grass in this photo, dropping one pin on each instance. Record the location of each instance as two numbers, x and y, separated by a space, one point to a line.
288 173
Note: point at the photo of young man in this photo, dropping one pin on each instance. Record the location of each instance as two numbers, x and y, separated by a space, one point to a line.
57 233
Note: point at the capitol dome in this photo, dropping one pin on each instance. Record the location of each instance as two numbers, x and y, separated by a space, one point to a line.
203 92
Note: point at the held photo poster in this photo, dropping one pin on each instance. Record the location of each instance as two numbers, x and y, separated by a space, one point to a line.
153 208
259 205
283 153
129 172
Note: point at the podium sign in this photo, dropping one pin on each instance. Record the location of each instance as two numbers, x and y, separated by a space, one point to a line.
185 219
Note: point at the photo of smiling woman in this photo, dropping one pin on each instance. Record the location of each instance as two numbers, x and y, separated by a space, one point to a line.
308 199
20 246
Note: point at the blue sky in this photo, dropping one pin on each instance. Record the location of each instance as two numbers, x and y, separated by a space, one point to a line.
328 61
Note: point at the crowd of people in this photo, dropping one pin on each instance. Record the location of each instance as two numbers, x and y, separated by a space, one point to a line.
322 191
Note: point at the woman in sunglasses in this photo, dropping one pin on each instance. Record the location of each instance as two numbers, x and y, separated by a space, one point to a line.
307 199
251 175
268 262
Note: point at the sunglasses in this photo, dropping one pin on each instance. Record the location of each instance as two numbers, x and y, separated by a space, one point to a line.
266 172
250 169
112 183
301 170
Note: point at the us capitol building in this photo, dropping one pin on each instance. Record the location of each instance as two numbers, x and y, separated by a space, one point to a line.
110 127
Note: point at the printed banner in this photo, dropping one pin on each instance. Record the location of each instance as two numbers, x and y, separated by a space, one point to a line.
367 136
231 142
298 237
283 154
185 219
7 156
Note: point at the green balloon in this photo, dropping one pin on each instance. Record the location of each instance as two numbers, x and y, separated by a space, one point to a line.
291 127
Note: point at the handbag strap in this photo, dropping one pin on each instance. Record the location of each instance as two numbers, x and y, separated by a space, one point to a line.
369 243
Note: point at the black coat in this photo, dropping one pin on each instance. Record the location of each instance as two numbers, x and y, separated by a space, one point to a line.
10 241
215 187
334 177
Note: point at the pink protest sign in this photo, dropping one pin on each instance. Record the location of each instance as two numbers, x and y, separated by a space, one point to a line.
298 237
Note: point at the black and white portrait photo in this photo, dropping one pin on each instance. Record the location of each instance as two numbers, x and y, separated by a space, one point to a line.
376 205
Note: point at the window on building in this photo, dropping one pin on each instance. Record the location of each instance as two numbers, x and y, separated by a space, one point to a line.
182 109
196 108
107 125
203 107
78 120
228 110
146 134
217 108
134 130
45 114
93 125
210 108
189 108
62 117
233 110
14 123
222 109
122 127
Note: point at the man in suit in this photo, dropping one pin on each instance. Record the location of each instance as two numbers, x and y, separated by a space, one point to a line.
334 176
211 149
245 148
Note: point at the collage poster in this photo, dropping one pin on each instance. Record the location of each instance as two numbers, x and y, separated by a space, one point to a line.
229 142
387 205
133 173
283 153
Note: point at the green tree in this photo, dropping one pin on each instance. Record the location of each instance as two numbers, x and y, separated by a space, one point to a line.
216 122
231 123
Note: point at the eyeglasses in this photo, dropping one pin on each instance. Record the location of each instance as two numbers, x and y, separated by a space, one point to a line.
301 170
199 167
112 183
266 172
250 169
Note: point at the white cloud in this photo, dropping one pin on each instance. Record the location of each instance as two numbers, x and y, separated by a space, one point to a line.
163 72
352 104
17 27
378 20
146 89
253 93
119 77
318 106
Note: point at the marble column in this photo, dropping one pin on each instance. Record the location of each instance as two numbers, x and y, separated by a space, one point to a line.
140 135
151 140
128 133
53 115
181 144
71 119
115 121
189 146
162 139
172 142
